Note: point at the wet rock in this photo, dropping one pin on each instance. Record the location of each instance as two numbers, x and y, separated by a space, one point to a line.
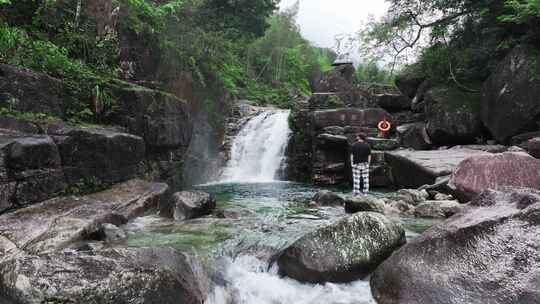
56 223
112 233
509 104
27 91
487 254
15 125
334 130
437 209
105 155
379 176
452 116
330 159
521 138
533 147
414 136
516 149
437 196
232 214
401 206
412 196
30 170
329 139
393 102
485 148
32 152
494 171
191 204
408 83
161 119
328 198
122 276
343 252
413 169
364 203
349 117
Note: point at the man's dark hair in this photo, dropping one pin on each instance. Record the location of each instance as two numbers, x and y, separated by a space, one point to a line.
361 135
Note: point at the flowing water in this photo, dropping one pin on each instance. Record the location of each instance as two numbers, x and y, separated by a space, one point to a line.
258 150
256 217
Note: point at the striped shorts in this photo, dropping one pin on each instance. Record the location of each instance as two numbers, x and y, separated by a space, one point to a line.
360 178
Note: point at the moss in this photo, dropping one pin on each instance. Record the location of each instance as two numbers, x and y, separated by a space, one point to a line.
335 101
86 186
29 116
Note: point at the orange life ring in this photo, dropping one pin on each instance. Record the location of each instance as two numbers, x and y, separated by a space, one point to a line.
384 126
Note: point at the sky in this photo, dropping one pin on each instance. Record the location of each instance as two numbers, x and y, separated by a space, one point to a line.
321 20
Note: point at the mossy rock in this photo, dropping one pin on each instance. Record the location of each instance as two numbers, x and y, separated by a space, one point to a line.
346 251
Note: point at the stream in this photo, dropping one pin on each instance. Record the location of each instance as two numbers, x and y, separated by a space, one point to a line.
256 217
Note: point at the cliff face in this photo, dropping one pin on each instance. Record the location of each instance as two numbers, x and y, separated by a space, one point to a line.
325 126
43 156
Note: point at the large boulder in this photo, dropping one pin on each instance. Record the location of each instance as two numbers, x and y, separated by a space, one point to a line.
337 89
58 223
190 204
30 170
343 252
510 95
393 102
122 276
340 79
107 156
364 203
160 118
27 91
494 171
408 83
412 169
349 117
414 136
485 254
452 116
328 198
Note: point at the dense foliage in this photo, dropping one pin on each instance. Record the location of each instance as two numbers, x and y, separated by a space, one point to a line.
280 66
457 41
243 45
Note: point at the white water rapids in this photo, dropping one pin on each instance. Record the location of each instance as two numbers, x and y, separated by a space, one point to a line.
258 150
249 282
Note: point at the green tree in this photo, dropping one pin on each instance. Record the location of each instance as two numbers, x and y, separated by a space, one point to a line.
457 41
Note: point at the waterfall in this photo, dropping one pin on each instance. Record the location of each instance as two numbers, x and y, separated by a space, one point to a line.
258 150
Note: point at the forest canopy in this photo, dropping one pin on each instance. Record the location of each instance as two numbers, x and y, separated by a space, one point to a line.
456 41
247 46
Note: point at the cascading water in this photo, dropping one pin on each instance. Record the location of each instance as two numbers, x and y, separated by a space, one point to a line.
258 150
255 219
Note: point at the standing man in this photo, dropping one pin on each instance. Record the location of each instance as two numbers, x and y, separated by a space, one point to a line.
360 160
